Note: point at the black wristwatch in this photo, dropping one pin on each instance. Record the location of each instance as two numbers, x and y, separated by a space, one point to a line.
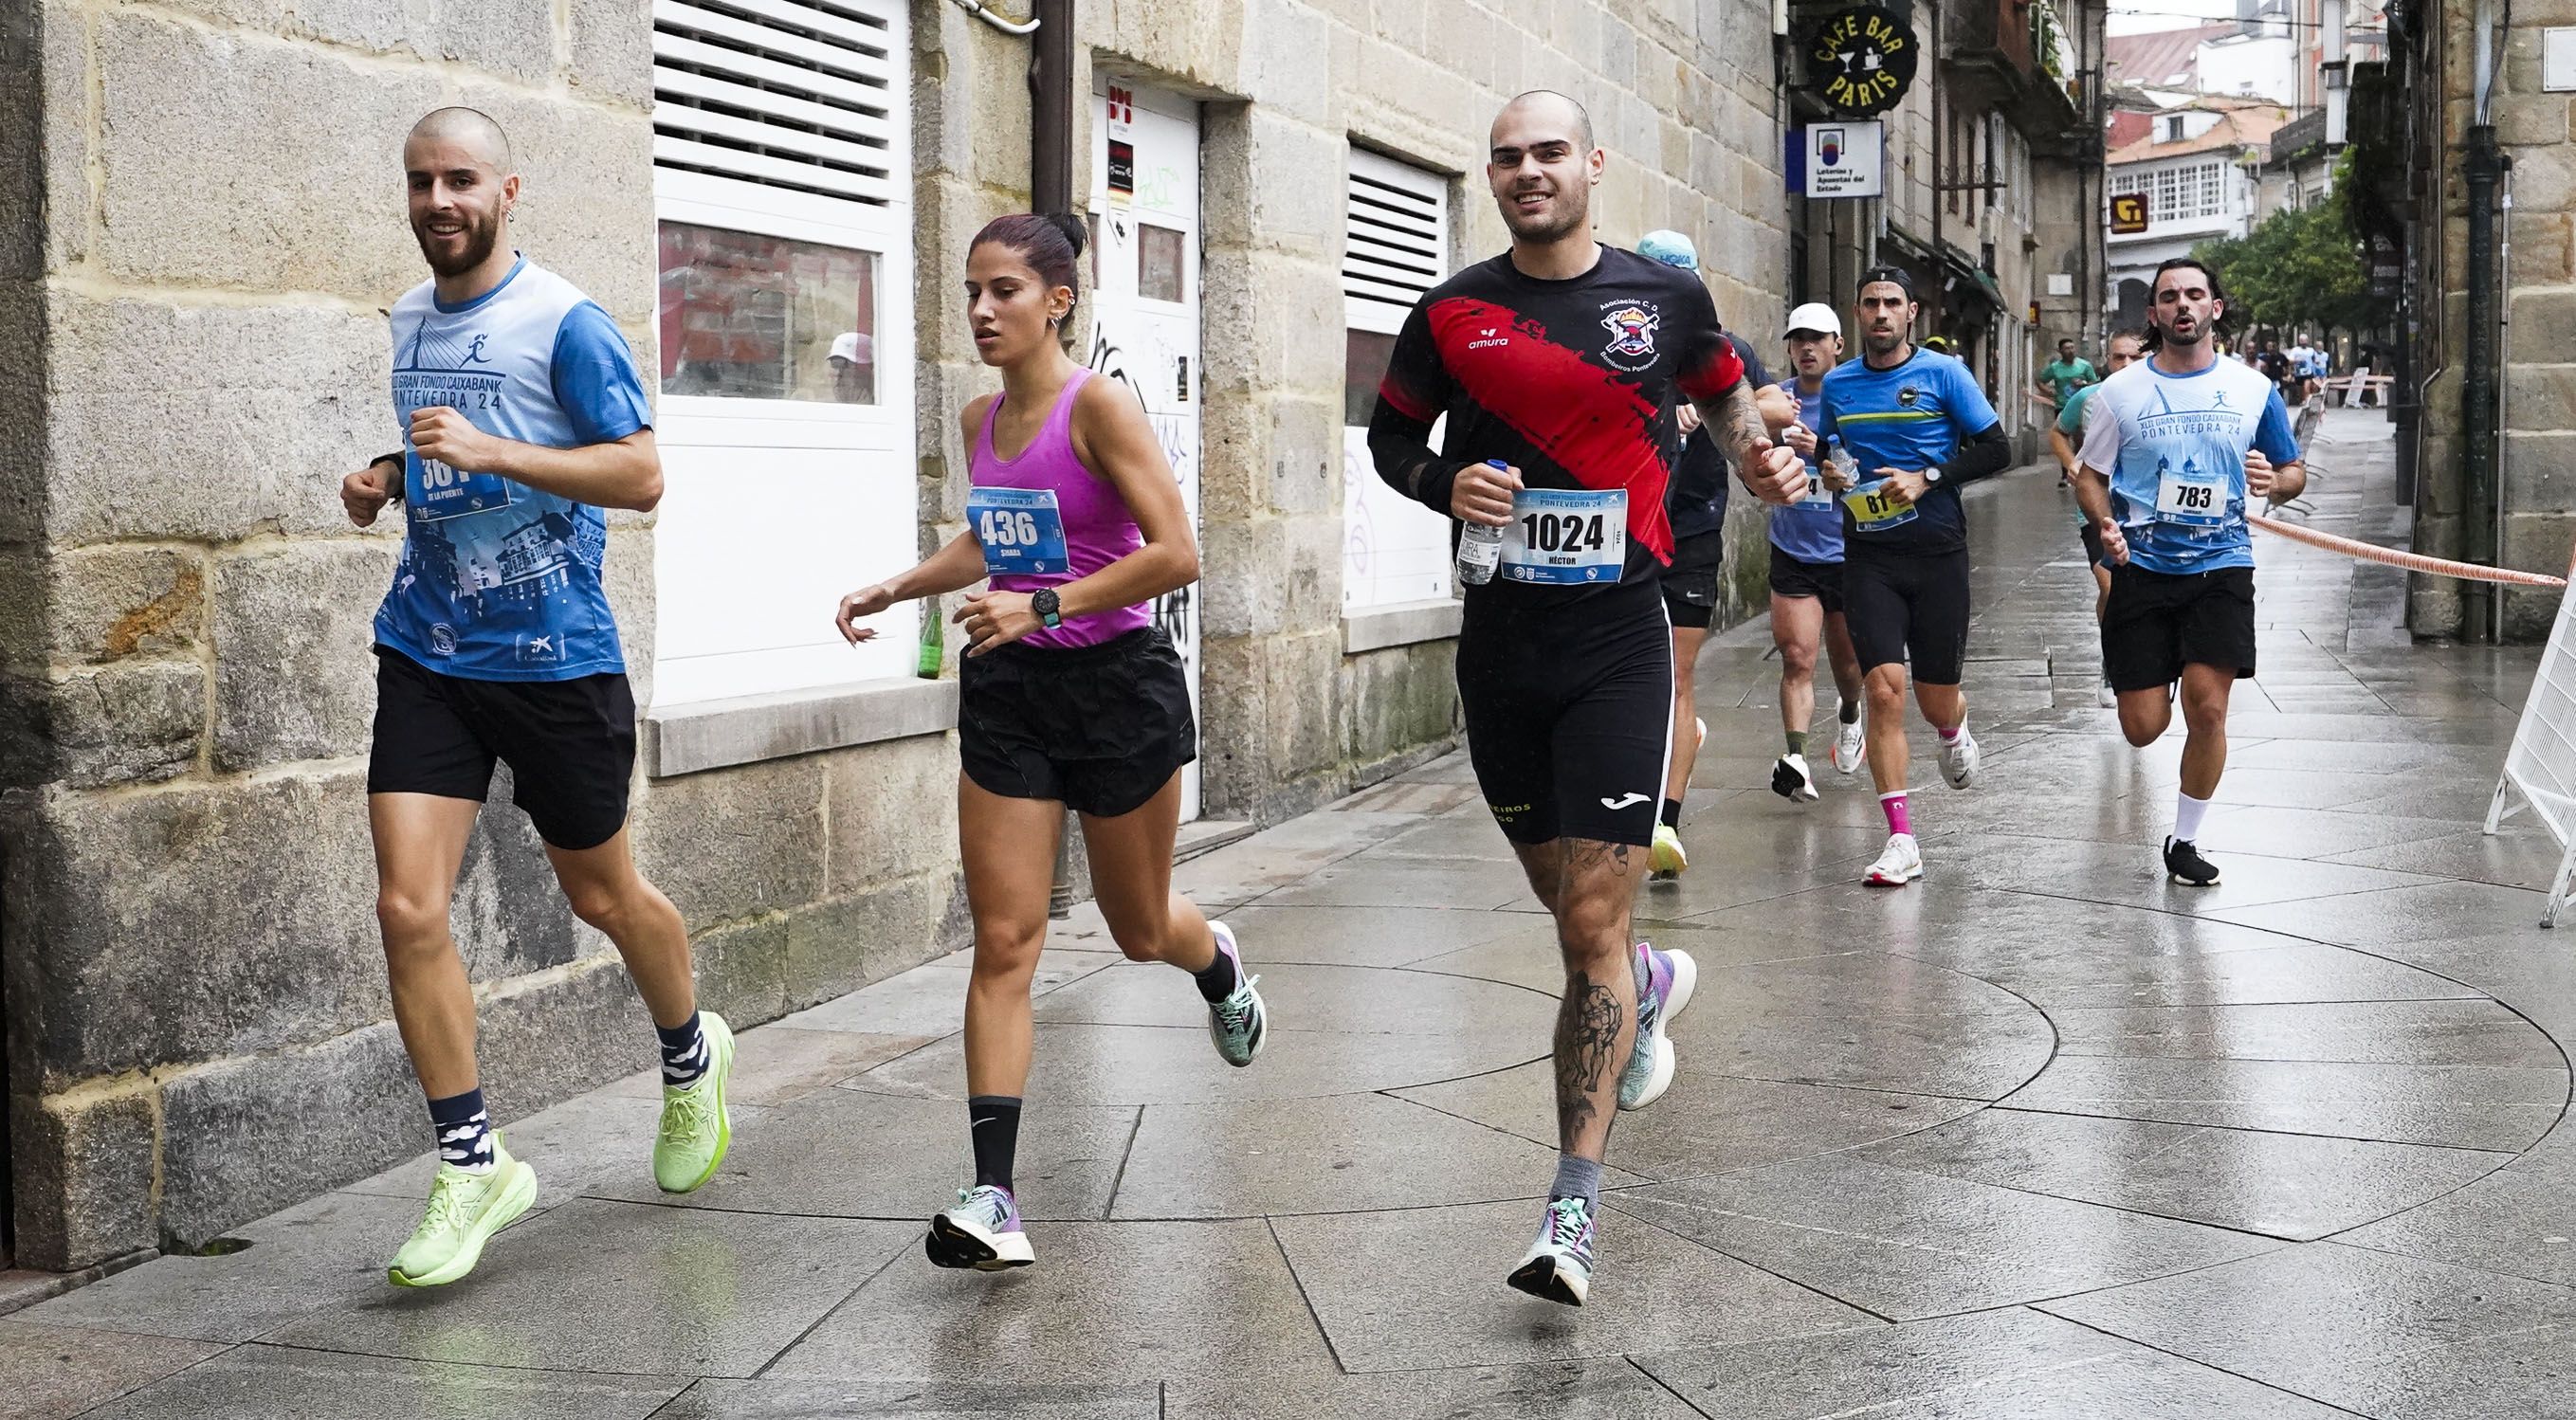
394 485
1048 606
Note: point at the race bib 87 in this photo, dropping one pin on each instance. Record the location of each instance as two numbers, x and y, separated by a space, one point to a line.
1873 511
1566 537
1021 530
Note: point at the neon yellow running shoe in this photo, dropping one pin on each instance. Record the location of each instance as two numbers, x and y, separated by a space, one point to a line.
1665 859
465 1210
696 1128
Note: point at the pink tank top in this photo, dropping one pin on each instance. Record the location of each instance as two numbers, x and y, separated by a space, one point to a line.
1098 528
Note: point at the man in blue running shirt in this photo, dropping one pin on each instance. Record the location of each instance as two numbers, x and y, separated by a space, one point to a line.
1918 427
2174 448
522 416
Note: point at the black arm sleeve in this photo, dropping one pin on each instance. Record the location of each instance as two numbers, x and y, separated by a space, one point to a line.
1400 446
1986 452
1416 389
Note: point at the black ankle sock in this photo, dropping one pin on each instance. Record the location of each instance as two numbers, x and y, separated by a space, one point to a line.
1672 814
1217 981
993 1123
1847 712
463 1130
684 1052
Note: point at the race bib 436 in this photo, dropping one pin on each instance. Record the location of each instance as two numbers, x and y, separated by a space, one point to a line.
1021 530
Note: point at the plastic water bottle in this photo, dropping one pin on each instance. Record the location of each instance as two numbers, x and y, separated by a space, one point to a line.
1480 548
1843 462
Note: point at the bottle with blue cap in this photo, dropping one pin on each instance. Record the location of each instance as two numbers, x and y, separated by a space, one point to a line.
1480 548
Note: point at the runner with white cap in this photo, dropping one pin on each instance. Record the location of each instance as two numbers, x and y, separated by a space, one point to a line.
1807 571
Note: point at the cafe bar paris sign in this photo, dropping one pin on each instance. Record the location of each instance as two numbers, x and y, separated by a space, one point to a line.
1861 60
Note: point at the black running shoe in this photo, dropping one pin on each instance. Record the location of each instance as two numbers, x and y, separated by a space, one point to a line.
2184 865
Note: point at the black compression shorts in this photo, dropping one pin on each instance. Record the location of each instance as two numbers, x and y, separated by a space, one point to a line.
1569 713
1906 607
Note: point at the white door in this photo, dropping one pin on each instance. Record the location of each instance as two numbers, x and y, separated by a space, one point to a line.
1145 300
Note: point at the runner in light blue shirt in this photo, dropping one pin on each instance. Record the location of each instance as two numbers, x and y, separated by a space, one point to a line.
2173 449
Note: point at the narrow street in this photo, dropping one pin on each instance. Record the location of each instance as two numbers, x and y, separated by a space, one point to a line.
2041 1135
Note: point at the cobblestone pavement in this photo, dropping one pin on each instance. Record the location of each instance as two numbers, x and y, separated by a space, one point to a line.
2039 1136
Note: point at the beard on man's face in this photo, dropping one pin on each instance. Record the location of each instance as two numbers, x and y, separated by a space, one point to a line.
480 235
1561 218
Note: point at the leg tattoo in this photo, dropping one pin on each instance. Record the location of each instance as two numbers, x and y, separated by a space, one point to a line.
1587 1034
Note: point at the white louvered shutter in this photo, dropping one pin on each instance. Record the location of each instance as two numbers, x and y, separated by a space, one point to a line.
805 95
1398 235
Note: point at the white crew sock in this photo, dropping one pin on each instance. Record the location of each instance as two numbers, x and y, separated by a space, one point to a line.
2188 813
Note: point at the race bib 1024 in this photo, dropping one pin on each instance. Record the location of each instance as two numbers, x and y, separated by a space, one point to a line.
1021 530
1566 537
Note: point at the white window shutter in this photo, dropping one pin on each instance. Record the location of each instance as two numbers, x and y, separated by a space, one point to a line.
1397 233
804 95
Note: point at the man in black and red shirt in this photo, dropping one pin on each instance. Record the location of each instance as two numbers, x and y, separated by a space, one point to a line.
1556 361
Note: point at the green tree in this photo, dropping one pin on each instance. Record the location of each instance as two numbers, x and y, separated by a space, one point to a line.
2298 268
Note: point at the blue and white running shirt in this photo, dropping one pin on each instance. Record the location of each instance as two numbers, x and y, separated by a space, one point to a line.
499 581
2174 447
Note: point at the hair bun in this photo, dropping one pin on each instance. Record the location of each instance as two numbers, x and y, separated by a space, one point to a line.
1075 230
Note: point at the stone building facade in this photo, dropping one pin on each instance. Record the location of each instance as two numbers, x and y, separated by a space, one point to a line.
192 300
2413 125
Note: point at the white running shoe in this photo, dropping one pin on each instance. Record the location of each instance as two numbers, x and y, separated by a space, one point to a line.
1702 741
2108 699
1902 863
1790 779
1851 745
1959 759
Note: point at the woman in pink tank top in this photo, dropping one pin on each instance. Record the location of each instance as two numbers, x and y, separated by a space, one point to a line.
1067 694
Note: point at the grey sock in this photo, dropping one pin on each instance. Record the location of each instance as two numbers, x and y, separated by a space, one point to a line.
1577 1178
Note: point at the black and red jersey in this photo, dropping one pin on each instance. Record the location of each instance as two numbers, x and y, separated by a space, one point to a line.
1569 381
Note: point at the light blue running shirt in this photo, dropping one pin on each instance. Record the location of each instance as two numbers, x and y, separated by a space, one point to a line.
2174 447
499 581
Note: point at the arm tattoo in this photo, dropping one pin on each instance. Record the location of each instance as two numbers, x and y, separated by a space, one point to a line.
1737 420
1587 1034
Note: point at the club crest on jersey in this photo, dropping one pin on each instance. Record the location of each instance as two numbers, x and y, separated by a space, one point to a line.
1905 397
1632 328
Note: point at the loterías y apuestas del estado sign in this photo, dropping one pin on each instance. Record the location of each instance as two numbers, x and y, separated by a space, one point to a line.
1861 59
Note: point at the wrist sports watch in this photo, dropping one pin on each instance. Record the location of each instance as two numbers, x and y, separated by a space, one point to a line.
1932 475
394 485
1049 608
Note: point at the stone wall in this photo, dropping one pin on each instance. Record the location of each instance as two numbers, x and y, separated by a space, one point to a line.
191 960
189 956
2539 294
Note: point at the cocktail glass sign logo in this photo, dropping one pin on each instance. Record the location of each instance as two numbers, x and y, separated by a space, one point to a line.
1863 59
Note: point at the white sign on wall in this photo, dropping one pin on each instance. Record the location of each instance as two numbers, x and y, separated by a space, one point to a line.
1847 158
2557 60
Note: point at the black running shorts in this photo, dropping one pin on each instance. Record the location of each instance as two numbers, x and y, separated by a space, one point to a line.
1100 729
1569 712
2089 533
2156 623
1908 607
1796 577
1690 583
570 744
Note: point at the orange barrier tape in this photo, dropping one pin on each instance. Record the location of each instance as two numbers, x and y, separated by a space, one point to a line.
2411 561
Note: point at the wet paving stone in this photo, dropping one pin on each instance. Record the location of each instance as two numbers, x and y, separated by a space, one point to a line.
2040 1136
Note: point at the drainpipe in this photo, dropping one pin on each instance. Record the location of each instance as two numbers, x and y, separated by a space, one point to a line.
1051 107
2478 413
